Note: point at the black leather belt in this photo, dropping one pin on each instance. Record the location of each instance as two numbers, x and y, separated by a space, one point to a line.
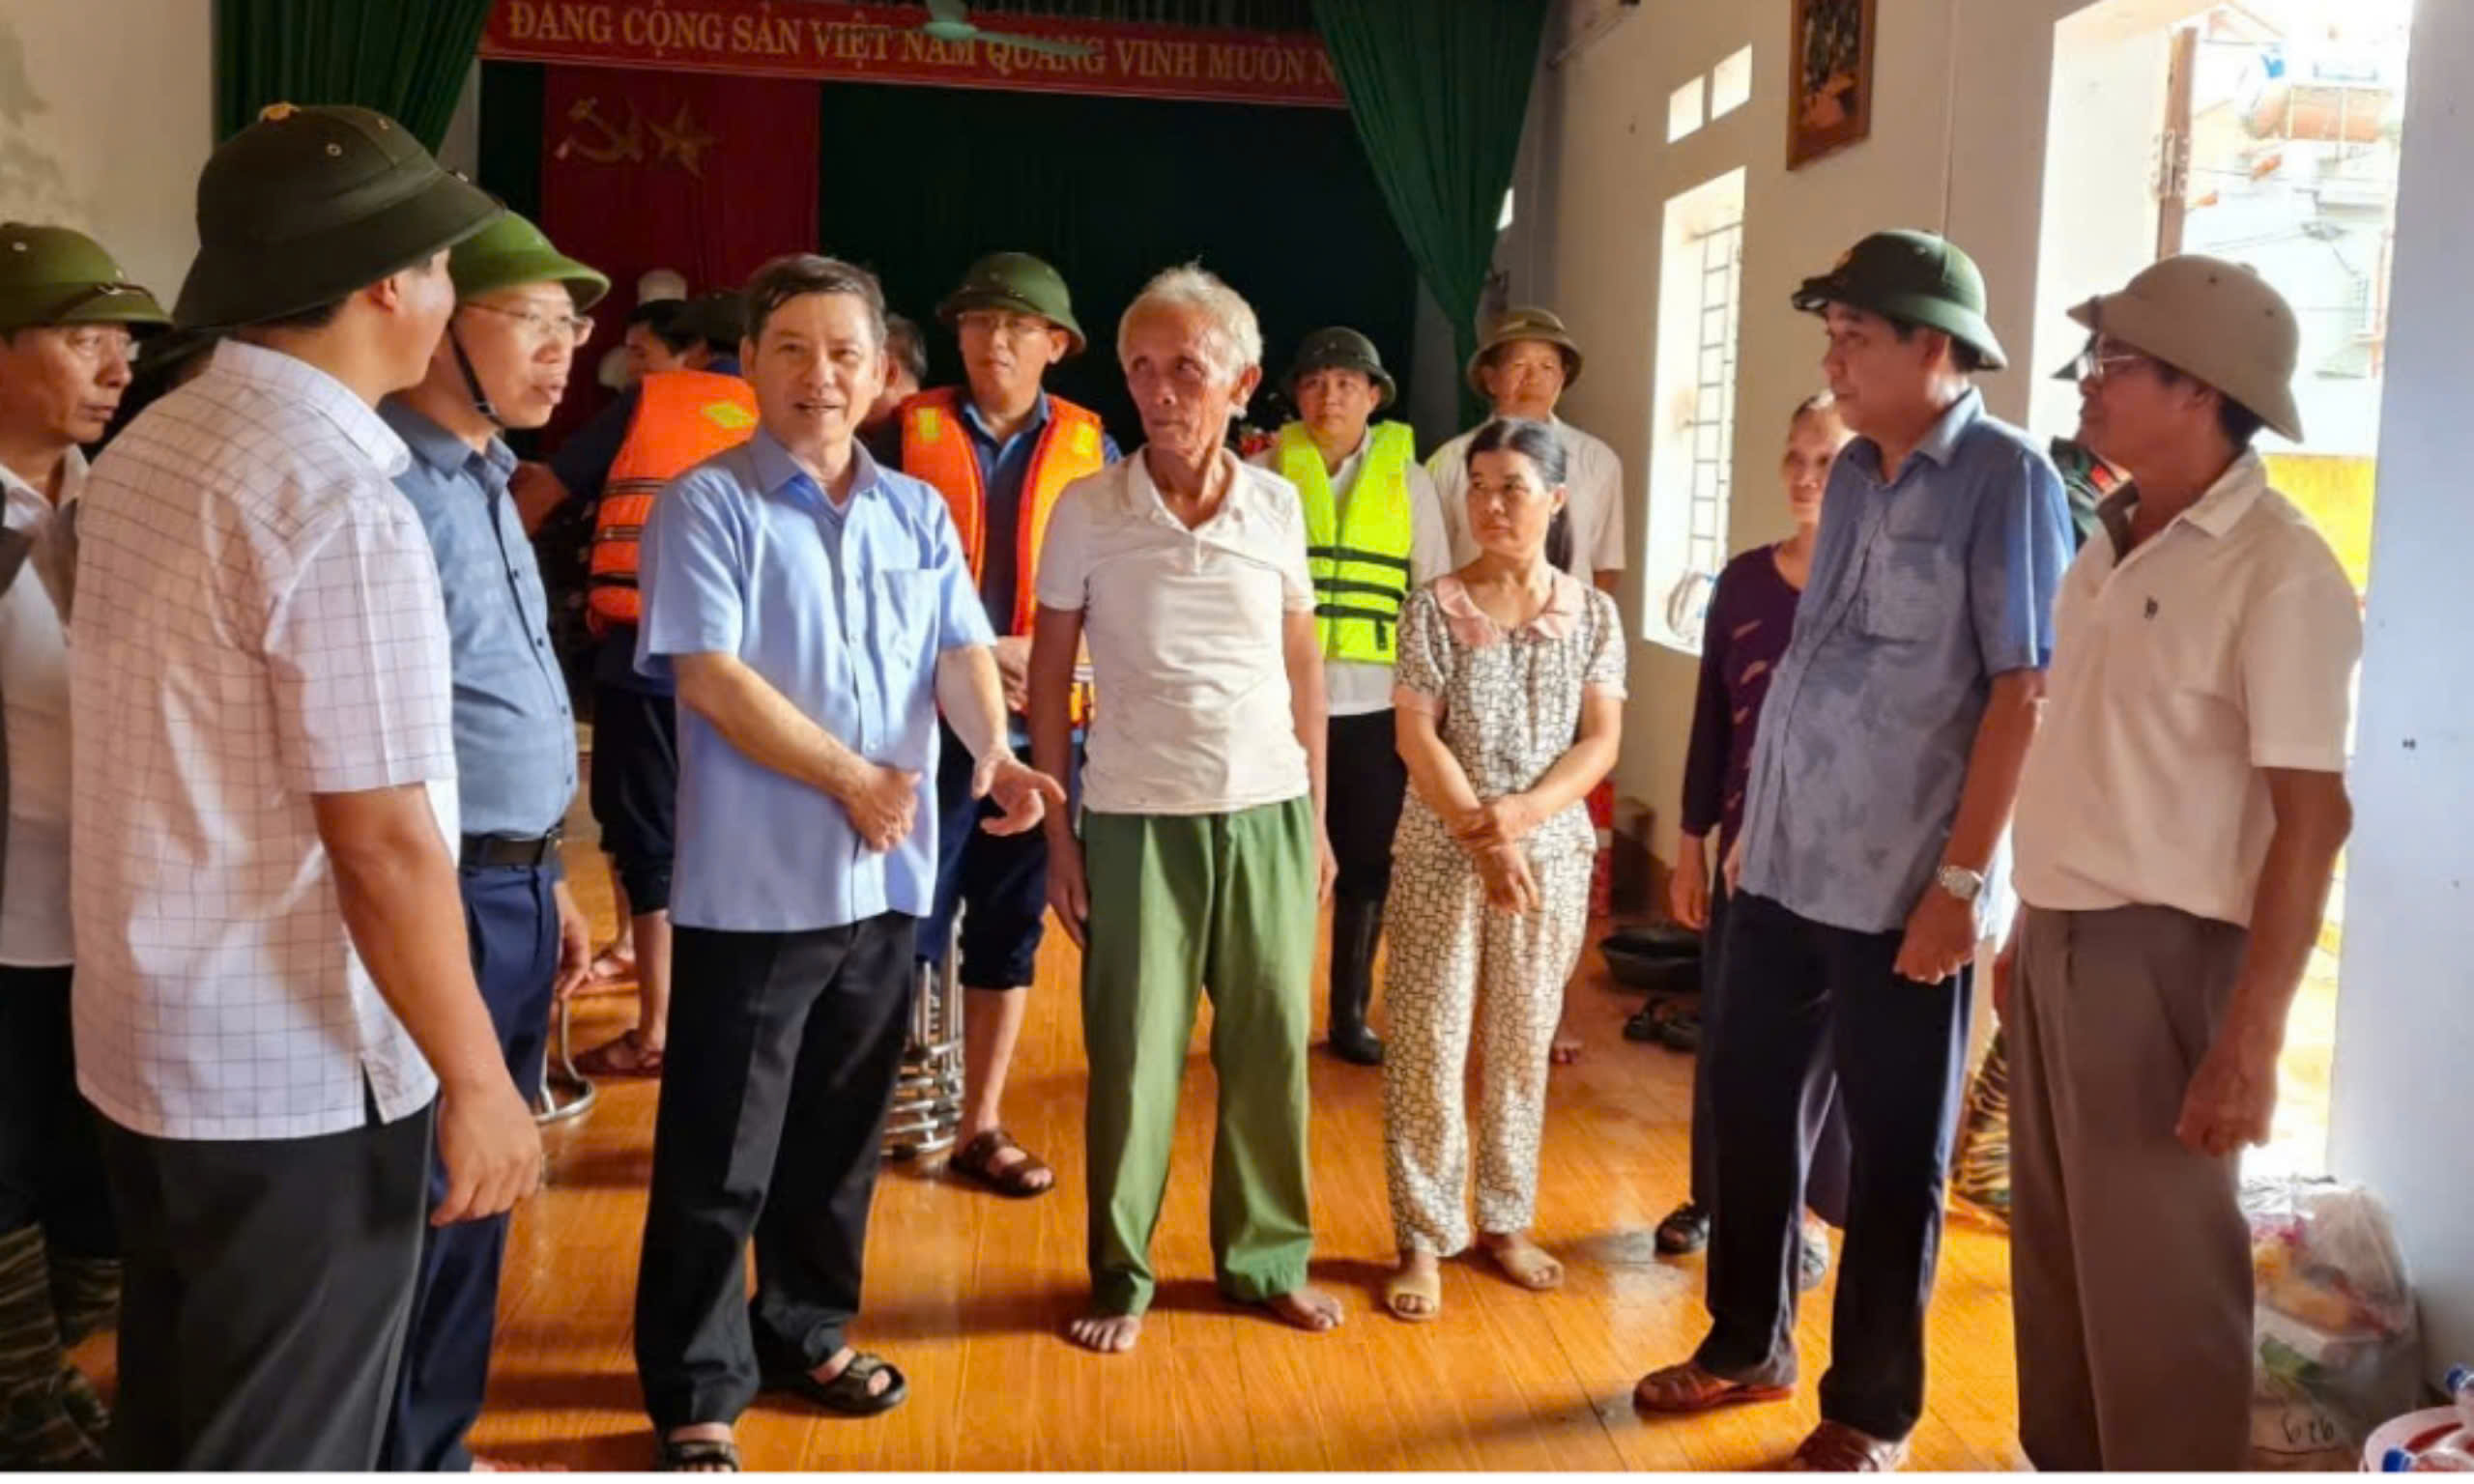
484 851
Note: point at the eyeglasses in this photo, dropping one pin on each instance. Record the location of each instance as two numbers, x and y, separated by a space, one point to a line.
2100 361
576 329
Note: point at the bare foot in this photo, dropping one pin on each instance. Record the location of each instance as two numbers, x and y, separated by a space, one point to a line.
1522 1260
722 1459
1416 1292
1109 1334
1307 1307
1565 1050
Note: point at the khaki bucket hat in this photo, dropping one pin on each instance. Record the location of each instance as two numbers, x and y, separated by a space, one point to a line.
1526 323
2213 320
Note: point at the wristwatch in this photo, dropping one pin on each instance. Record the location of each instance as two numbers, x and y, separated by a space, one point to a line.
1960 882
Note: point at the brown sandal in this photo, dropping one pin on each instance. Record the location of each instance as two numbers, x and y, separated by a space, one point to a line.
1834 1447
1025 1177
605 1059
1682 1390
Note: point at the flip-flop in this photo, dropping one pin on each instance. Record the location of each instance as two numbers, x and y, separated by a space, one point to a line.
848 1391
1683 1390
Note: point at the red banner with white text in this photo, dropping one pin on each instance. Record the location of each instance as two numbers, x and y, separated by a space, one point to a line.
887 43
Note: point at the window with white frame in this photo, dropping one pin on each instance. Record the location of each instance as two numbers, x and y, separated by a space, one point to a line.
1692 438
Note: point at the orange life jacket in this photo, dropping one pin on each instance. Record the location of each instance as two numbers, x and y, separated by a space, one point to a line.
683 418
936 446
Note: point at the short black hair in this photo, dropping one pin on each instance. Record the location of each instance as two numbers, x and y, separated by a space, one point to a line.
794 274
2238 424
661 317
1964 358
907 345
1544 448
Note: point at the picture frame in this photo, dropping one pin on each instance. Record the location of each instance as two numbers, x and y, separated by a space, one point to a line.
1829 97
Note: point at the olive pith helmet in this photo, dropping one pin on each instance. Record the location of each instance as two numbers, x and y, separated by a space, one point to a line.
309 204
54 276
1914 278
1526 323
2210 318
512 252
1339 347
1022 283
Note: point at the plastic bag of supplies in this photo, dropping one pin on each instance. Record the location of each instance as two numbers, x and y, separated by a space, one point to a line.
2336 1351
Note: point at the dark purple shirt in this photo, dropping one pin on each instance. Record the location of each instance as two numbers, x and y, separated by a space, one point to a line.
1752 614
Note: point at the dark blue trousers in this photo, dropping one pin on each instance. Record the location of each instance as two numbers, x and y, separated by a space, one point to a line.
513 918
1803 999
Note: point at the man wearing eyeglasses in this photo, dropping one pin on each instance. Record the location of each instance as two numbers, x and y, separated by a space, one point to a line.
503 363
2179 818
66 323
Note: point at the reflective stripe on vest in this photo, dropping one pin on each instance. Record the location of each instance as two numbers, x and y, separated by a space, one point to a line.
1358 548
683 418
936 447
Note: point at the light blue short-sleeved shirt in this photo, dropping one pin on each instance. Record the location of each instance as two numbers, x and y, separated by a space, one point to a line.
845 611
1922 590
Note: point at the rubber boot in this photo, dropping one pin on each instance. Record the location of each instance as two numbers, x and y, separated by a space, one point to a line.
35 1429
1357 927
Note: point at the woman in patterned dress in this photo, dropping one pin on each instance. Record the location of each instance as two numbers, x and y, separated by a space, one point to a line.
1509 689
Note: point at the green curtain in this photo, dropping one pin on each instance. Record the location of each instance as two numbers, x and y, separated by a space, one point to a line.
1439 92
405 58
917 181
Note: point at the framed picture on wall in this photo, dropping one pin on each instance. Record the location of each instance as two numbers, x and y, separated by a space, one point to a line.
1831 105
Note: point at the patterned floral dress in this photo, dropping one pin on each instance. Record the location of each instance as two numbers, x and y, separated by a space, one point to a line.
1507 704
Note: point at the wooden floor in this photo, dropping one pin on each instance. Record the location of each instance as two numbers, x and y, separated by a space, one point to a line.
970 1293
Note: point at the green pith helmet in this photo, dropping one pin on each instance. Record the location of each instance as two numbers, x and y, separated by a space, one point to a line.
309 204
1914 277
1524 323
512 252
53 275
1020 282
1343 349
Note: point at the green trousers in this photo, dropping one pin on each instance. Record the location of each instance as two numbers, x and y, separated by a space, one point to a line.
1178 904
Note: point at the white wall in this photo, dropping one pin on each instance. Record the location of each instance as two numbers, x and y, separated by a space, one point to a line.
107 112
1958 148
2406 1021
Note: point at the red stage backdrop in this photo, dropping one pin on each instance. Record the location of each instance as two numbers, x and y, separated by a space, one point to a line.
704 174
878 44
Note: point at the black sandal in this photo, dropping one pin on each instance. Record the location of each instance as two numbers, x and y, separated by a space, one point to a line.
1685 1229
848 1391
698 1455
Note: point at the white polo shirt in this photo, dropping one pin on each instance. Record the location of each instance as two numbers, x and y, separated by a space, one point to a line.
34 696
1593 493
257 621
1185 629
1352 688
2223 645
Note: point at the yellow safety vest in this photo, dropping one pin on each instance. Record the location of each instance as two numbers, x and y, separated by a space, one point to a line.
1360 556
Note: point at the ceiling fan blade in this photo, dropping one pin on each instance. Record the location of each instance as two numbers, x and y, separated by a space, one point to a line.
1038 44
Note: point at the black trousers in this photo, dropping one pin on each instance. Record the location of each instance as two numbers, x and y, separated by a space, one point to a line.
51 1157
1825 1139
782 1051
266 1290
1366 785
1801 997
511 919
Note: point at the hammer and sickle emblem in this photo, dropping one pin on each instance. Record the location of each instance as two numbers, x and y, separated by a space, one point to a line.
619 145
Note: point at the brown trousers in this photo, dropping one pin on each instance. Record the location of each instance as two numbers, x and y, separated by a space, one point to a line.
2130 1264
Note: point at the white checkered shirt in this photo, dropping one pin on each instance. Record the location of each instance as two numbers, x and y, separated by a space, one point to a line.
256 620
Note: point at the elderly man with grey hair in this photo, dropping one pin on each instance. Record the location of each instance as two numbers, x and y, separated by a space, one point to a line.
1201 854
